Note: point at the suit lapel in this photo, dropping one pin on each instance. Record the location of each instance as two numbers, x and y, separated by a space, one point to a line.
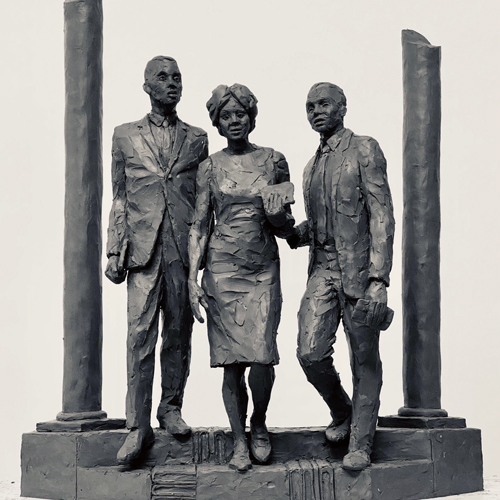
148 139
180 137
306 185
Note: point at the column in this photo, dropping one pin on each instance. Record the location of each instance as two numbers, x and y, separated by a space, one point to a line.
421 227
82 384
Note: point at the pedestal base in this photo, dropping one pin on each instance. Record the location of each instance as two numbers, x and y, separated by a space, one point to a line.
408 464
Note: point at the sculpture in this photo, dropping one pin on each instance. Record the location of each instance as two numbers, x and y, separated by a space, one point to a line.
241 282
350 229
154 171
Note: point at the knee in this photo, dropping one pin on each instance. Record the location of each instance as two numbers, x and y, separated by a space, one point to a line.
309 358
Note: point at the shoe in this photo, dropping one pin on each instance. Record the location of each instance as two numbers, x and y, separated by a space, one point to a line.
173 423
356 460
336 433
240 461
137 441
260 444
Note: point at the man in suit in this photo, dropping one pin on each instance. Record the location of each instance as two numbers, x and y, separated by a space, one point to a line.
350 231
155 161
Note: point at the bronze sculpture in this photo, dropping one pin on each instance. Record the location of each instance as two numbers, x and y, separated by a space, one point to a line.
350 230
241 284
154 171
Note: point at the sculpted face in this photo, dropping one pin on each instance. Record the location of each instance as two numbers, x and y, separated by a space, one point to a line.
234 122
163 82
324 111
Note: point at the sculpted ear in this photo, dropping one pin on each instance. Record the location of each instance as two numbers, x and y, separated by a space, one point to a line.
147 88
342 110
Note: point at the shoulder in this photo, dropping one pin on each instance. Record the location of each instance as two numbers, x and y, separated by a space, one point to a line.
367 148
195 131
269 154
129 129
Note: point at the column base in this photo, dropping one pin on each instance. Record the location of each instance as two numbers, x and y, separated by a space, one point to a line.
82 424
422 412
422 422
80 415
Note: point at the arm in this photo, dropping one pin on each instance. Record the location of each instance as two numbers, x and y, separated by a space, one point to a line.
278 214
116 246
198 237
375 188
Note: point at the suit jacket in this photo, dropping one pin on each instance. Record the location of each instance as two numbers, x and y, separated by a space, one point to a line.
361 206
144 191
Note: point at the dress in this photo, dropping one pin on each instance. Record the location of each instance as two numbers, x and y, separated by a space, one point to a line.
242 274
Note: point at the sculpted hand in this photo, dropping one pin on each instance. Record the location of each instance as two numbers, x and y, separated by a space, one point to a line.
196 297
294 239
275 209
114 271
376 294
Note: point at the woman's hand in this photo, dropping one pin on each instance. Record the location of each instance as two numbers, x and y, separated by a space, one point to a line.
196 297
274 207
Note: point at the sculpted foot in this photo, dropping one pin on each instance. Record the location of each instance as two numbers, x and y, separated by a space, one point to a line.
137 441
260 444
241 460
356 460
336 433
173 423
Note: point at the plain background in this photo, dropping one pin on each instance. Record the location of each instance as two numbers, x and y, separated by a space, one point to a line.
278 48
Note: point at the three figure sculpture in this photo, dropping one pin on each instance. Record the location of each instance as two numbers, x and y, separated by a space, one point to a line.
231 206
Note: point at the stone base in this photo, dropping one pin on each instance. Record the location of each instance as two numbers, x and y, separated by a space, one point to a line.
407 464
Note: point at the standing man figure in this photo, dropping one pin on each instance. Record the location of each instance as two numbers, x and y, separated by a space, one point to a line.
155 161
350 231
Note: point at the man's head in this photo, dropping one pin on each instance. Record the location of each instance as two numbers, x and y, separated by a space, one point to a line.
163 81
326 107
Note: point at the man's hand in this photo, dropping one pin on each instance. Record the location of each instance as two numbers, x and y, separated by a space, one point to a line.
274 207
294 239
376 294
114 271
196 297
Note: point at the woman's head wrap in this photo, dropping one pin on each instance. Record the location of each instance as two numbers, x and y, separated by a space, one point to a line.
221 96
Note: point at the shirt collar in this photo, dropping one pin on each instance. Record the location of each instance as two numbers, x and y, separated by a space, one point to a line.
332 141
160 120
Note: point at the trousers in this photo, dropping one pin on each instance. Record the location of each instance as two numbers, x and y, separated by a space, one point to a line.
323 306
160 288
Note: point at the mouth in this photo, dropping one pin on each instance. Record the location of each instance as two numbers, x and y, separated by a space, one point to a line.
235 130
319 121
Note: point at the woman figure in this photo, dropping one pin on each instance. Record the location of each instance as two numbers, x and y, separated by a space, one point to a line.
241 283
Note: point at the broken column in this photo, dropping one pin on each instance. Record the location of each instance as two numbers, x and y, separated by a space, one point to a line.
421 227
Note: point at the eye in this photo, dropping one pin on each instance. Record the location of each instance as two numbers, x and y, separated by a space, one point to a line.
240 115
224 116
162 78
177 78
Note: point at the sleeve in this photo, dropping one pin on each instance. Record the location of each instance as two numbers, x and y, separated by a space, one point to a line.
117 217
201 226
375 188
282 174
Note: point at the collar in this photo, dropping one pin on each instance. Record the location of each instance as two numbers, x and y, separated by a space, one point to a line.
159 120
333 141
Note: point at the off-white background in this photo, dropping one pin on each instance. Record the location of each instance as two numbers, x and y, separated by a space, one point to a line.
279 49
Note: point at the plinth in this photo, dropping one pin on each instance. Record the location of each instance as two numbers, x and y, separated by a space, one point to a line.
407 464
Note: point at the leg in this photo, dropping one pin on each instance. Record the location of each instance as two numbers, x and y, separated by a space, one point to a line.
235 400
175 352
367 383
261 380
319 317
143 314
